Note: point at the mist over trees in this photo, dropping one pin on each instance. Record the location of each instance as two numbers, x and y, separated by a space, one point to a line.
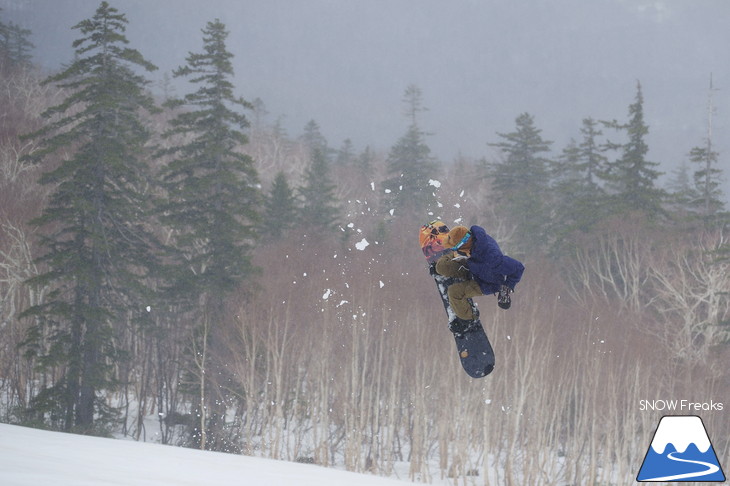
180 269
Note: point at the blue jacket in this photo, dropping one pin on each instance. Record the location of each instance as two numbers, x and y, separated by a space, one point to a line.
489 266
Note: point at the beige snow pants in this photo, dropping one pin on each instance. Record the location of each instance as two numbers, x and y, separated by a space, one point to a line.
459 292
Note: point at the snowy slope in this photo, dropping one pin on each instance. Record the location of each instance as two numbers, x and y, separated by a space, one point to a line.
31 457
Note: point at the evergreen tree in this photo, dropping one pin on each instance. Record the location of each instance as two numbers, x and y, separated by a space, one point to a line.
15 46
213 200
213 188
708 202
413 101
682 193
259 117
313 139
521 181
280 209
708 177
630 179
578 198
592 160
564 170
319 209
696 196
364 162
98 251
344 154
410 164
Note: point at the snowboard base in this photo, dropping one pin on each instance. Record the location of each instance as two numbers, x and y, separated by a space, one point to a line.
475 352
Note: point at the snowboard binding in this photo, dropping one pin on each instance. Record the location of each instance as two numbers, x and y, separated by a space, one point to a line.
460 326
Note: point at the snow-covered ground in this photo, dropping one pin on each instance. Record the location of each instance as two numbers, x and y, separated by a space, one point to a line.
31 457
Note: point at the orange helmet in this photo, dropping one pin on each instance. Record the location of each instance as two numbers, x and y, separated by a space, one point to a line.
433 239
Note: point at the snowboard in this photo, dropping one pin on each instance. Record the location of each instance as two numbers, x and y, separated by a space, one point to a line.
473 346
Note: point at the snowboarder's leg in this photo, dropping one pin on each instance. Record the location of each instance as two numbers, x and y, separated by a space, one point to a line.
459 292
448 267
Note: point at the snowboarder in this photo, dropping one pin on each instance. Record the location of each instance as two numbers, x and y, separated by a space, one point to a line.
478 261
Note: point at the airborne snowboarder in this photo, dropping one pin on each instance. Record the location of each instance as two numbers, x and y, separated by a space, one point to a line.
482 268
466 263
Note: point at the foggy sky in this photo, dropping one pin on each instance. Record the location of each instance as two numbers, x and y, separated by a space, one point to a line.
479 63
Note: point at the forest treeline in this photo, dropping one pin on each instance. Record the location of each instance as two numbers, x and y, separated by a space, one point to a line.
180 269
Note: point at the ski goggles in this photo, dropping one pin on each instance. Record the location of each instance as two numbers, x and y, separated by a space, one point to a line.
437 226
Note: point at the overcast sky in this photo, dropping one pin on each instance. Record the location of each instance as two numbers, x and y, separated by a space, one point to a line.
479 63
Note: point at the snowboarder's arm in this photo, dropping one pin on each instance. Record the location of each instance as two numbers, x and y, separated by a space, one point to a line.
512 269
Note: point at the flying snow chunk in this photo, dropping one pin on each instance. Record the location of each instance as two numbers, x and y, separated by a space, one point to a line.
434 183
149 308
327 294
362 244
381 284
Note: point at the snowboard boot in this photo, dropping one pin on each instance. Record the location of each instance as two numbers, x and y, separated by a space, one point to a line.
459 326
503 299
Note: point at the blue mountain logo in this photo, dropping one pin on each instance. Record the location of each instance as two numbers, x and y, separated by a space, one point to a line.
681 451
